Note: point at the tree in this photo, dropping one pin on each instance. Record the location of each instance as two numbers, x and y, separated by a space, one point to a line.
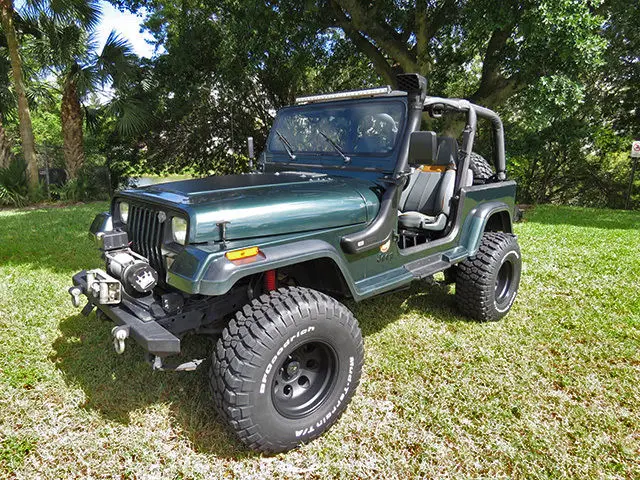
256 61
5 147
7 13
507 46
617 90
6 103
82 13
68 51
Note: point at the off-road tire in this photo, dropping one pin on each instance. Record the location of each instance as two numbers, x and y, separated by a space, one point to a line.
487 282
246 375
481 168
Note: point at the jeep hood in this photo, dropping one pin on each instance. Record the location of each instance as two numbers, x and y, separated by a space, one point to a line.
260 205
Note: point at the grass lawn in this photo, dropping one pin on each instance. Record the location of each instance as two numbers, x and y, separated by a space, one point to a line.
551 391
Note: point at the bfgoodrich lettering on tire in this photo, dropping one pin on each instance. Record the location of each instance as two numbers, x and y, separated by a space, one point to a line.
286 367
487 283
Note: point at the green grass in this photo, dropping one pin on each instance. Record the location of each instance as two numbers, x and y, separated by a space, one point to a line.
551 391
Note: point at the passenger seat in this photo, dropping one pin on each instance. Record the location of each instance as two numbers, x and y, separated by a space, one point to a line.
426 202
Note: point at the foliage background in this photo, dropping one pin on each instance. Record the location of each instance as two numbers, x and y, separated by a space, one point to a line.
564 75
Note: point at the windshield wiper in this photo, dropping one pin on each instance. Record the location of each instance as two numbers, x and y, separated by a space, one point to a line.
336 147
287 145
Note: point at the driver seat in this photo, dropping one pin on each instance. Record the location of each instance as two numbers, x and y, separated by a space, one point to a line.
426 202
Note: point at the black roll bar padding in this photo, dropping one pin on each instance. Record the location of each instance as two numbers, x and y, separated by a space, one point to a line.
464 106
467 146
499 158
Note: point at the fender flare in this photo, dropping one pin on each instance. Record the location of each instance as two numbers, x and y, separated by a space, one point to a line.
476 223
197 272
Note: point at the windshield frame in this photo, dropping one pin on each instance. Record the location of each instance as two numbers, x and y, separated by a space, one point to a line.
280 156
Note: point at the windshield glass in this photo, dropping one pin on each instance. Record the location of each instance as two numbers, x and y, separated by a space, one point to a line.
365 128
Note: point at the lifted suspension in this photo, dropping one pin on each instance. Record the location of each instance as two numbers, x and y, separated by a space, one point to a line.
270 280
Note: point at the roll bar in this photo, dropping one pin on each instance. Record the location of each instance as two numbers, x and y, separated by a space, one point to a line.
380 230
473 111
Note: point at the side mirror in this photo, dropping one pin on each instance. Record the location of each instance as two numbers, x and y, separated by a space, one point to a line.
251 152
423 148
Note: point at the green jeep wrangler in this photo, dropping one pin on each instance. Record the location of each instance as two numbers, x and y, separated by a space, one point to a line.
351 199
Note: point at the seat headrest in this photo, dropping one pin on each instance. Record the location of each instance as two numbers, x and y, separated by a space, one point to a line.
447 151
423 146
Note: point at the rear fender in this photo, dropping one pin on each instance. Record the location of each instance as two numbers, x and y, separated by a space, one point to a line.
489 216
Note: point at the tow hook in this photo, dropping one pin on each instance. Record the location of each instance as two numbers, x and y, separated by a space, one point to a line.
120 334
75 293
157 363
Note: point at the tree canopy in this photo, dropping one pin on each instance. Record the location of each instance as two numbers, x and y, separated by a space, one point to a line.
563 74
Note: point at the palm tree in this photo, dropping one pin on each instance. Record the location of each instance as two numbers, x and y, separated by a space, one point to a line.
7 14
5 146
70 53
6 99
84 13
37 93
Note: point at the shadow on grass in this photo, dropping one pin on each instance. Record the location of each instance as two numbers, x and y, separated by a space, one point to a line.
584 217
431 299
120 387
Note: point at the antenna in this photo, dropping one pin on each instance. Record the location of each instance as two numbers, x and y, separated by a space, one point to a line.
251 153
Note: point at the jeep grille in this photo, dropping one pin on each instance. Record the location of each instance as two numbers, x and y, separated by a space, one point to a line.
146 235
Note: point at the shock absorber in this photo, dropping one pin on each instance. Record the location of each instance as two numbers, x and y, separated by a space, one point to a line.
270 280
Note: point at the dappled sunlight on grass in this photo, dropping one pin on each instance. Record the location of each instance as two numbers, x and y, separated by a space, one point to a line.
591 218
550 391
55 239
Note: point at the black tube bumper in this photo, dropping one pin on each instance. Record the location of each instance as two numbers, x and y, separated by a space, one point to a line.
147 333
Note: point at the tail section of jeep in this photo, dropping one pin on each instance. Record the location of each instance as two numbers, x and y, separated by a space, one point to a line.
352 199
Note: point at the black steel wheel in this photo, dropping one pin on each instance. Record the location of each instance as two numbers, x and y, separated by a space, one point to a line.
304 379
504 281
286 367
487 282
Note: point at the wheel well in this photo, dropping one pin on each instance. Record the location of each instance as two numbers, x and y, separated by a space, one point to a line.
499 222
322 274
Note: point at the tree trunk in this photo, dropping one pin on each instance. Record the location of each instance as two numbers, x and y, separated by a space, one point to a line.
5 147
26 129
72 136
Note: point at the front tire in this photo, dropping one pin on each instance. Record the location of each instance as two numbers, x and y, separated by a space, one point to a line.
286 367
487 283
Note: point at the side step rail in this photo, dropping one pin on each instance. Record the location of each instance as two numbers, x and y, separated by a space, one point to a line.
425 267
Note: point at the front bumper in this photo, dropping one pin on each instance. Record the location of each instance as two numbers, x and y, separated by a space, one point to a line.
151 336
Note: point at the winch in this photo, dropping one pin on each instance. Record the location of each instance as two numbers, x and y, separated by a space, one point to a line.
124 268
133 270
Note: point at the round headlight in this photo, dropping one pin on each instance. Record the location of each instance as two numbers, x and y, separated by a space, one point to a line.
179 230
123 211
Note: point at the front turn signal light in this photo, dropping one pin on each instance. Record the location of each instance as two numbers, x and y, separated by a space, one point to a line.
242 253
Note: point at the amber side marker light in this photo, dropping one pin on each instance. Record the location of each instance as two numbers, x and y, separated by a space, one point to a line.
242 253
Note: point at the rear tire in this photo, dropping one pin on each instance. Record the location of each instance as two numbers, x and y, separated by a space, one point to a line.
487 283
286 367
